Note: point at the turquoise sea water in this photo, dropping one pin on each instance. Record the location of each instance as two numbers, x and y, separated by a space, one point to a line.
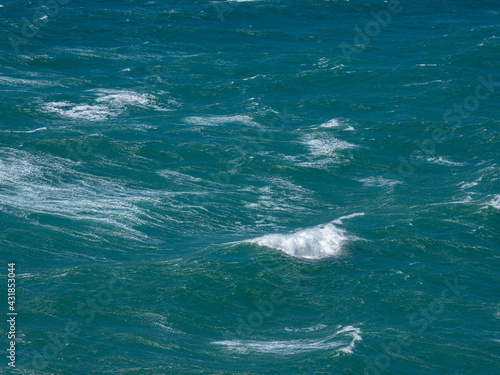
251 187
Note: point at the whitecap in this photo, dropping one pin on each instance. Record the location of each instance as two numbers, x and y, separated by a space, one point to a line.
82 111
336 123
124 98
321 144
317 242
110 103
467 185
495 202
333 123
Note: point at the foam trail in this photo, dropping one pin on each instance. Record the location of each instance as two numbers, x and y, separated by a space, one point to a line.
317 242
33 184
24 131
348 336
340 219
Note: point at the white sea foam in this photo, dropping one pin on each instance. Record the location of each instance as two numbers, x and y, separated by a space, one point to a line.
333 123
379 181
336 123
125 98
323 151
24 131
82 111
11 81
467 185
317 242
168 174
55 186
321 164
442 161
343 340
108 104
221 120
495 202
324 144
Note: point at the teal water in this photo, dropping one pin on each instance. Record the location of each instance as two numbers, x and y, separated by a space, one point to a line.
251 187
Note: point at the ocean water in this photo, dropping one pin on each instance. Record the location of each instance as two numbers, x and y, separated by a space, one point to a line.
251 187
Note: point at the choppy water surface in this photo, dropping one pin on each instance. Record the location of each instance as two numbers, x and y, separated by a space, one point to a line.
252 187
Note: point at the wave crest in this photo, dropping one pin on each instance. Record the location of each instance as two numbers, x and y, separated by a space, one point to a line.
317 242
